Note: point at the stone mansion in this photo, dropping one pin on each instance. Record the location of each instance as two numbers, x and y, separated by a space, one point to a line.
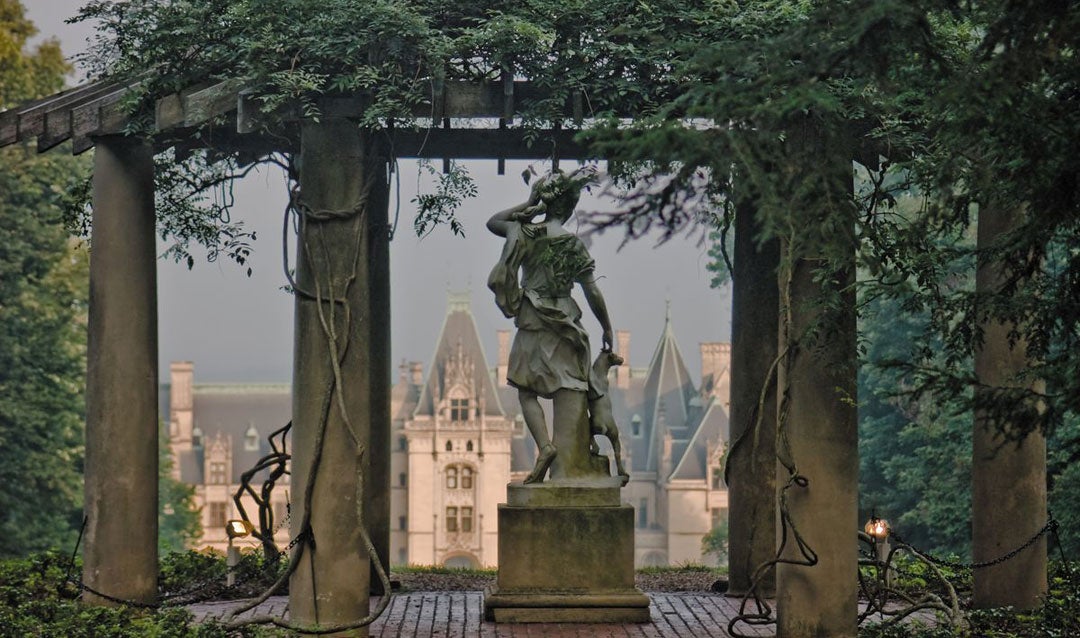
458 438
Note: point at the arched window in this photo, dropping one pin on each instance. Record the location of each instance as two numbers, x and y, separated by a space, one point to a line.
635 425
461 562
466 519
466 478
468 446
449 446
451 519
451 477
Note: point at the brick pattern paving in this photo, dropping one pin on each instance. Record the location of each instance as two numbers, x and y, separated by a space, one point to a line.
461 615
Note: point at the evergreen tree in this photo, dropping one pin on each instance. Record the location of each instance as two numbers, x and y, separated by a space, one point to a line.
43 296
178 520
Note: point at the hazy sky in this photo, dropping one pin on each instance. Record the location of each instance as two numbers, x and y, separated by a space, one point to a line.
237 328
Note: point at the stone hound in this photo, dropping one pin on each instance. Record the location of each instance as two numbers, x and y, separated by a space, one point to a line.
601 420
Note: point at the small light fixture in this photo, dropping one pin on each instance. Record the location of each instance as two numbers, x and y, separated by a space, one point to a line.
878 528
237 528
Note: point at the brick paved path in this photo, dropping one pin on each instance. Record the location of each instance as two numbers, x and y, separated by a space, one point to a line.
461 615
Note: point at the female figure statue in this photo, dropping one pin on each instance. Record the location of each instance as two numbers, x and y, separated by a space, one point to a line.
550 355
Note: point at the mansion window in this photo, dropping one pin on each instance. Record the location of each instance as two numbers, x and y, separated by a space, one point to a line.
219 513
468 446
403 523
449 446
459 476
217 473
403 444
643 514
403 479
459 519
459 409
635 425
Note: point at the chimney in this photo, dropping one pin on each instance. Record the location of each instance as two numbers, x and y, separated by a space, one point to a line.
504 357
417 370
181 403
716 370
622 346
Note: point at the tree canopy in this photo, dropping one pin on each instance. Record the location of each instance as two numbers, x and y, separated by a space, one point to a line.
956 106
43 298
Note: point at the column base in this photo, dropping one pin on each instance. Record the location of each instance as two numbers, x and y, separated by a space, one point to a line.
544 607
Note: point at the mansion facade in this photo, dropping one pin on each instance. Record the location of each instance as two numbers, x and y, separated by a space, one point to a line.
458 438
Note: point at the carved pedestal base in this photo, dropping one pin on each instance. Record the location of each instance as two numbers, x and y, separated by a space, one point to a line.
566 563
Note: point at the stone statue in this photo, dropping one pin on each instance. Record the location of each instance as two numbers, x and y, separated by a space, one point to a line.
550 355
601 419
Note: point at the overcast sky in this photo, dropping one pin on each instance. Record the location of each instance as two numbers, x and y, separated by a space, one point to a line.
237 328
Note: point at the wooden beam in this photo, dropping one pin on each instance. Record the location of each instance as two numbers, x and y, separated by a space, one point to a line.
197 107
31 120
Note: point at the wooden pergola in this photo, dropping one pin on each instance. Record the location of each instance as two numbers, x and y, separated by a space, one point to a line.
341 167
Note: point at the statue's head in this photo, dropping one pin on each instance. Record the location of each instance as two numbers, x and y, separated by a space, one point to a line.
561 191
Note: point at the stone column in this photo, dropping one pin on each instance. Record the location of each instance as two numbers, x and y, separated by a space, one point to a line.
820 405
751 479
342 253
1008 495
121 477
377 507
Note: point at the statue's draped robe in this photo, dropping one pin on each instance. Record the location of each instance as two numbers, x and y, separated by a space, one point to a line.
551 349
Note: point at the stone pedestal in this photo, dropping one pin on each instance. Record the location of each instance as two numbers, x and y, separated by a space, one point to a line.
566 554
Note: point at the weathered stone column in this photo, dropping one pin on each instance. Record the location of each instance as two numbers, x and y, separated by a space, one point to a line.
821 422
1008 495
341 257
752 460
121 477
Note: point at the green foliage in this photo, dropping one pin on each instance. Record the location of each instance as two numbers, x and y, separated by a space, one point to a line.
715 543
26 75
681 568
178 518
43 300
202 574
904 440
452 188
1057 616
442 569
37 600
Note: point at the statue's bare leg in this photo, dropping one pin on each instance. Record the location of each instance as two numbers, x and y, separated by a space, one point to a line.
537 424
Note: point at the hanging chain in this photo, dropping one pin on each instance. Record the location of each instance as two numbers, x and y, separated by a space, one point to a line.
1050 527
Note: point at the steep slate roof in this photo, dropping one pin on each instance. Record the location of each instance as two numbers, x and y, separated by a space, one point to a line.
667 394
458 329
711 429
231 410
